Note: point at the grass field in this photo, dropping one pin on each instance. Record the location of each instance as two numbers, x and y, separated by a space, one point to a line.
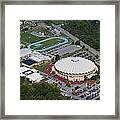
28 38
46 44
69 39
45 31
43 67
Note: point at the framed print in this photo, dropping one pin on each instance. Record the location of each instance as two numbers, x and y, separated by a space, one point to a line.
60 60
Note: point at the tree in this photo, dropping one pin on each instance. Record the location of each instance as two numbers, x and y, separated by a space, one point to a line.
97 81
96 56
36 23
95 77
72 43
87 49
39 91
53 72
25 29
57 57
86 30
83 47
77 42
53 60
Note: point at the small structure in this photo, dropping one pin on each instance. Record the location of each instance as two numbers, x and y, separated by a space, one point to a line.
57 32
31 74
22 46
29 62
38 34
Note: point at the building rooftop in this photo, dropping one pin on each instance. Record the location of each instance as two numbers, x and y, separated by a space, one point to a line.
35 76
75 65
25 51
23 69
29 62
39 57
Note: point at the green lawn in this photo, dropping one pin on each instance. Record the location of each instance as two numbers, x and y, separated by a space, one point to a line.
27 37
43 67
46 44
69 39
45 31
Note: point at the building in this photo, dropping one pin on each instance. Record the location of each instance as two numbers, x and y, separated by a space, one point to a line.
24 71
32 75
35 58
38 34
25 53
29 63
75 68
35 77
39 58
57 32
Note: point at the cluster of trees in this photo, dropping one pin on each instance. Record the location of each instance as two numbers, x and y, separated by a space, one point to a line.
77 42
56 58
39 91
95 77
25 29
86 30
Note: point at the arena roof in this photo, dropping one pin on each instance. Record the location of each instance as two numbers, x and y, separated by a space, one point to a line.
75 65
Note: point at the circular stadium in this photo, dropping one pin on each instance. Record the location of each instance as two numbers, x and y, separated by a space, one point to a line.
75 68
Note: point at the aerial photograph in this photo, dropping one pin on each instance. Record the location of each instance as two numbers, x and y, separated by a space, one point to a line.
59 60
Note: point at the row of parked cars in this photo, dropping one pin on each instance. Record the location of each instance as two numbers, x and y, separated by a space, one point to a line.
89 92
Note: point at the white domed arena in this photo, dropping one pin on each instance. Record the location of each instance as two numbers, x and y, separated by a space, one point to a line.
75 68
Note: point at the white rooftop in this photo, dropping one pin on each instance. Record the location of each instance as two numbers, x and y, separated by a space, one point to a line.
22 75
23 69
25 51
35 76
39 57
75 65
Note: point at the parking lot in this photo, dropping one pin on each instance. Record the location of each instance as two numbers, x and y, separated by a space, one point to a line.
83 92
88 55
64 50
67 49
